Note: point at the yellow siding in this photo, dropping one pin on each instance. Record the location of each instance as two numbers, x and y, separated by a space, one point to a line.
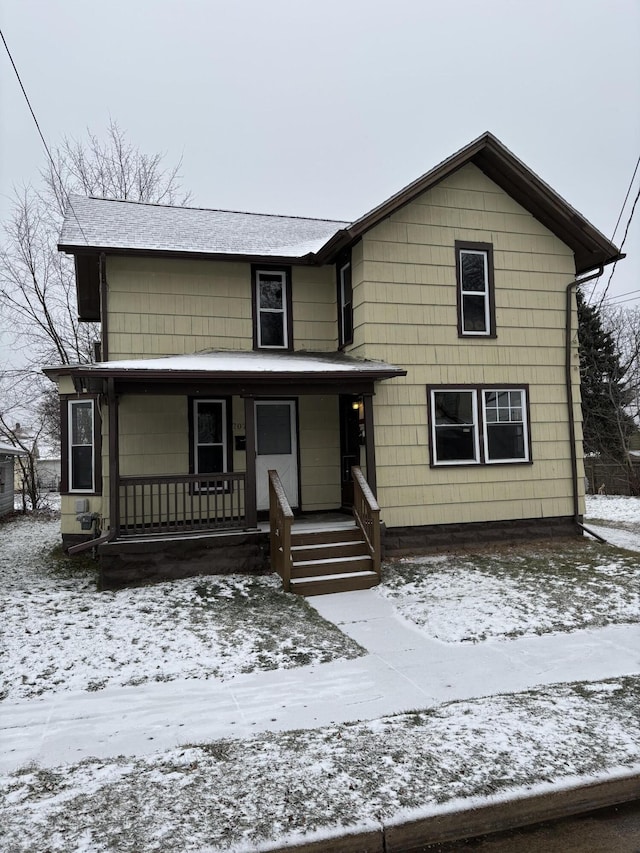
161 306
319 453
405 313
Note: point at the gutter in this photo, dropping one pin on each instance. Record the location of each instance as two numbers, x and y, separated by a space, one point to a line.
569 385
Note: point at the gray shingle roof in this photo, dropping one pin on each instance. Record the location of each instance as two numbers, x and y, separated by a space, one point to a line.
107 224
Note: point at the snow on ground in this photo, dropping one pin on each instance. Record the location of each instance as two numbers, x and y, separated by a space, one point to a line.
231 794
59 633
515 591
616 510
243 792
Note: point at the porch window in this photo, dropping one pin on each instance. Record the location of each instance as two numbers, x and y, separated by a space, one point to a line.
474 272
210 437
345 304
272 309
81 446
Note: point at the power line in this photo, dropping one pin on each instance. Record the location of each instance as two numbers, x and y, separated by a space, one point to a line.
619 296
626 231
44 141
595 284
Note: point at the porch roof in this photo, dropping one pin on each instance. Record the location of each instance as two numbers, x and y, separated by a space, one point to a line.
246 369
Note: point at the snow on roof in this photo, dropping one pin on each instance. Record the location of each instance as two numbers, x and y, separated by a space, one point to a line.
12 450
109 224
227 361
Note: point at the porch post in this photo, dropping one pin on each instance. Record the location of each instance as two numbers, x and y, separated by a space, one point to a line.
114 458
370 445
250 506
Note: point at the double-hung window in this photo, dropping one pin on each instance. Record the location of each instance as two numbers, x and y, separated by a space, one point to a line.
478 426
272 309
474 274
345 303
209 436
81 447
505 426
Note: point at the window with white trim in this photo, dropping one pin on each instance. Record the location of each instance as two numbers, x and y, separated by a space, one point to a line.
81 446
209 436
505 426
478 426
474 274
271 301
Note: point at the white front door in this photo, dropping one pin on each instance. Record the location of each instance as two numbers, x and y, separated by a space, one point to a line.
276 449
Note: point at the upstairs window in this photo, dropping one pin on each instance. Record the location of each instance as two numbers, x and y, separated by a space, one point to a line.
345 304
474 273
272 309
81 449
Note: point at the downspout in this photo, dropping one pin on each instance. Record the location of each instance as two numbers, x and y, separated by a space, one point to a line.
572 420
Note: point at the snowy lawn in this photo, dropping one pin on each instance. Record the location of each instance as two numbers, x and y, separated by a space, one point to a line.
614 511
239 793
58 633
514 591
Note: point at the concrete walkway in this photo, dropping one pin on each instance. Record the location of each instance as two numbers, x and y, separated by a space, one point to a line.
403 670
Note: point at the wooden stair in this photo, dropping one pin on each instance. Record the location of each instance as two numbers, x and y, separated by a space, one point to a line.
330 560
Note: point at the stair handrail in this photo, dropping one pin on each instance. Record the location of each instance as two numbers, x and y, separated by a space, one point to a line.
280 521
366 513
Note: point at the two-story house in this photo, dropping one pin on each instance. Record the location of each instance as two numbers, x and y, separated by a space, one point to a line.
424 356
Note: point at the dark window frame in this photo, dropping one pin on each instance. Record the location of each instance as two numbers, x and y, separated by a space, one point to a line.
481 436
65 455
486 249
345 331
285 271
227 443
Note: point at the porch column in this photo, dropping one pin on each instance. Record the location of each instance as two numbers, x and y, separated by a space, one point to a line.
370 445
114 458
250 506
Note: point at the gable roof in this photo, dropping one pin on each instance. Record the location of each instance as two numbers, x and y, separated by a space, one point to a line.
108 225
93 225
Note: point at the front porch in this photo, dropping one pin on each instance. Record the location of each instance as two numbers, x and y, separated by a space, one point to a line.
174 527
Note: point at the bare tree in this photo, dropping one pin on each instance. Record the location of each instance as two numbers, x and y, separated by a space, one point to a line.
37 286
37 283
20 394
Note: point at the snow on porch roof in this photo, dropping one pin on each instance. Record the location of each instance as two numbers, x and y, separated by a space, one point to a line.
135 226
227 364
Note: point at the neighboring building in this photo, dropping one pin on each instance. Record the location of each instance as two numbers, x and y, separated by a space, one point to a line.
425 342
8 455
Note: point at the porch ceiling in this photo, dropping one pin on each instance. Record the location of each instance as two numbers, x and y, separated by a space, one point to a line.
245 372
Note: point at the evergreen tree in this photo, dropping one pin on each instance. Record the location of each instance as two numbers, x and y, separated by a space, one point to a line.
606 424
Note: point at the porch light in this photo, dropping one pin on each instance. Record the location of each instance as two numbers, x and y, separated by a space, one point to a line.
355 405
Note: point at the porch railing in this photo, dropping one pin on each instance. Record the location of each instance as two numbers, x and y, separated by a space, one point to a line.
366 513
184 503
280 521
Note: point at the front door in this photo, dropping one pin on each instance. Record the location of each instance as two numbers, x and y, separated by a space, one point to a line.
276 448
350 414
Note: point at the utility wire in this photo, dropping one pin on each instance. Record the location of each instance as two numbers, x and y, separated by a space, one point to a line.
44 141
626 231
595 284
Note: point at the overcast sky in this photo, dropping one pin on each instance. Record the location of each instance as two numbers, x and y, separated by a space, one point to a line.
326 107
